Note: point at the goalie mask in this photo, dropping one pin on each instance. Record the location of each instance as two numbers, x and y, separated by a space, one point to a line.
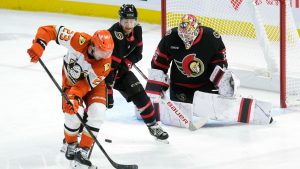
188 29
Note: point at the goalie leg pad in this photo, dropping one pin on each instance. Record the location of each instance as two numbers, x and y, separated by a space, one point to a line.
236 109
168 117
262 113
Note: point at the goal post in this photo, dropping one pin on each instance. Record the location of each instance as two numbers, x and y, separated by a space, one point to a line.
261 39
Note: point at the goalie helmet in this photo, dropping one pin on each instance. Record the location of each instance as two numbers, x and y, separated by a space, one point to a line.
188 29
128 11
102 44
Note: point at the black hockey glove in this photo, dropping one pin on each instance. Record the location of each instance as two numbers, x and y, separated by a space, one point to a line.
110 98
126 64
110 78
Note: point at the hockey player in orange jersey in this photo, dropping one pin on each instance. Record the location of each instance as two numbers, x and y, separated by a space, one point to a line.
85 67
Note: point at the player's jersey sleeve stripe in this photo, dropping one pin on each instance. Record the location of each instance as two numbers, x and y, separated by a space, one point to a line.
190 85
160 54
58 30
222 50
116 59
156 63
218 61
140 44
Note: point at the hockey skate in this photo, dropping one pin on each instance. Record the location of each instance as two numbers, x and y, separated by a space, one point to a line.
81 160
70 150
63 148
159 134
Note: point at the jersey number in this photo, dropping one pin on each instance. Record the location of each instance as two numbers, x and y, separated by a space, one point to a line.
65 35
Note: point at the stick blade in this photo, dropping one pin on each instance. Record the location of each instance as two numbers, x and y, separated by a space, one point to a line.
122 166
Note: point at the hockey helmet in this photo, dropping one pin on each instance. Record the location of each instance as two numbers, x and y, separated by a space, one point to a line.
188 29
128 11
102 44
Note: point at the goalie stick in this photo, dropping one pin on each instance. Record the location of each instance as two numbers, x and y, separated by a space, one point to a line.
113 163
192 126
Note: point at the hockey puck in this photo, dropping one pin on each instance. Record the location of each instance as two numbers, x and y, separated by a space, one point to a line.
108 140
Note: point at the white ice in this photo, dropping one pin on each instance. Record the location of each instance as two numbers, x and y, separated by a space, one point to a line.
31 121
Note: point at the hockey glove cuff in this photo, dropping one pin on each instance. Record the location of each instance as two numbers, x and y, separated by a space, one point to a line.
36 50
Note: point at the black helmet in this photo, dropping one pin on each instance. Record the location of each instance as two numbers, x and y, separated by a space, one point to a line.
128 11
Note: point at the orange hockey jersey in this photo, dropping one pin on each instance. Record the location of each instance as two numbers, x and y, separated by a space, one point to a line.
81 74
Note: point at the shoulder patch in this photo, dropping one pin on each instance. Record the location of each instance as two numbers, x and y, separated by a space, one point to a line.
119 35
216 34
106 66
81 40
168 32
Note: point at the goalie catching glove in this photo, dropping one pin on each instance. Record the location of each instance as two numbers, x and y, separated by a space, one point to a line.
225 81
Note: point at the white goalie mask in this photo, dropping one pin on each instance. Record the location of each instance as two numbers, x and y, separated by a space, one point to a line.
188 29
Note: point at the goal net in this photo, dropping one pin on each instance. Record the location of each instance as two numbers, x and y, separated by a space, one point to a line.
250 30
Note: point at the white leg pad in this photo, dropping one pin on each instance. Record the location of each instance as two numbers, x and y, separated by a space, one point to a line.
168 117
236 109
262 112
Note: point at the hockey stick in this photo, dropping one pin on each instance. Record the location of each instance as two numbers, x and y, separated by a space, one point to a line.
170 105
114 164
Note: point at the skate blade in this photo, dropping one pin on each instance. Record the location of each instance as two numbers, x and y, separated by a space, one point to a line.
76 165
166 141
63 149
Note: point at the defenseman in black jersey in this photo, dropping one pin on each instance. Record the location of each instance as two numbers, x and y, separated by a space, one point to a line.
198 73
127 36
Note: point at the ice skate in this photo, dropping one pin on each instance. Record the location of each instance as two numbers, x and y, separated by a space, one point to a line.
81 160
160 135
70 150
63 148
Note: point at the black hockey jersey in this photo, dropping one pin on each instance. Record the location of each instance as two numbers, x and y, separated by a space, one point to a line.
190 68
129 47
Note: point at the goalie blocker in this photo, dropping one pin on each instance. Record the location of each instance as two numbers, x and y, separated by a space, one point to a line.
208 106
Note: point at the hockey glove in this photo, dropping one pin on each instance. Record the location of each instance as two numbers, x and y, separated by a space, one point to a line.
157 83
126 64
110 98
72 106
36 50
110 78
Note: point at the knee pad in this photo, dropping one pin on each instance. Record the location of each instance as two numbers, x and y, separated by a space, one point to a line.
72 122
96 115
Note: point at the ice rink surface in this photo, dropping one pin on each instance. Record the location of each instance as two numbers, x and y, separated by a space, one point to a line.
31 121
